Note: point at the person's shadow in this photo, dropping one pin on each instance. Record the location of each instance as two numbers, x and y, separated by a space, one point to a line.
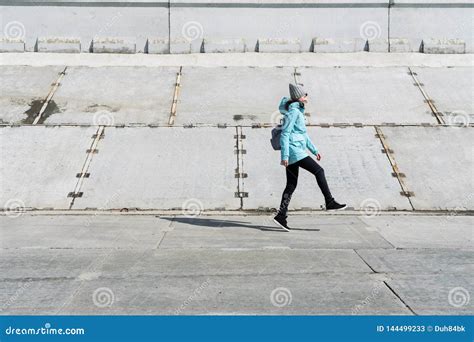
216 223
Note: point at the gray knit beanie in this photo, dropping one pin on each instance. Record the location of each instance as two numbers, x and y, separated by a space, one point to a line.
296 92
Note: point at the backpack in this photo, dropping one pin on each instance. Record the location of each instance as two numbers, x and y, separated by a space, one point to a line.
275 140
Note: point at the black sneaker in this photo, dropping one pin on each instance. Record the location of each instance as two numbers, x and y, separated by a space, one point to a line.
281 222
333 205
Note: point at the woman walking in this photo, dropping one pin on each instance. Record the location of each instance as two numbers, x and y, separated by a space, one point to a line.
294 142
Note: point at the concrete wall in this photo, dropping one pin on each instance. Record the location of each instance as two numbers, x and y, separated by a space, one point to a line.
419 20
281 26
84 20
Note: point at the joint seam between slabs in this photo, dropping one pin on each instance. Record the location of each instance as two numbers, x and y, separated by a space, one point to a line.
51 93
174 103
393 164
240 170
87 162
365 262
400 298
429 101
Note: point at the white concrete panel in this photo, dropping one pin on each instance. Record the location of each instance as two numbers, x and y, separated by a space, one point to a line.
163 168
114 95
358 173
22 90
437 162
39 164
232 95
363 95
451 231
452 90
252 20
435 294
86 22
425 19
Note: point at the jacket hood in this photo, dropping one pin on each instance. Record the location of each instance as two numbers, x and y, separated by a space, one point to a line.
282 106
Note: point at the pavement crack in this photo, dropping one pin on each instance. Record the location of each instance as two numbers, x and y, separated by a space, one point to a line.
365 262
160 241
400 298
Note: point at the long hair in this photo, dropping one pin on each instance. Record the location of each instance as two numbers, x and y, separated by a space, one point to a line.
287 105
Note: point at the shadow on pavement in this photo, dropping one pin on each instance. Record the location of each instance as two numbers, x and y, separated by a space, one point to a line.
217 223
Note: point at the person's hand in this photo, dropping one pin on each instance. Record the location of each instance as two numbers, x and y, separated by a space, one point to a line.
318 157
284 163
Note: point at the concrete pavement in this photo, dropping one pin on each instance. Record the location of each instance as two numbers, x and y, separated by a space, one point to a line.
161 264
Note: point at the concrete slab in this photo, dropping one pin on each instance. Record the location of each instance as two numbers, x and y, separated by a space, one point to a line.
92 263
101 264
242 294
39 297
252 20
363 95
165 172
255 59
448 231
437 162
232 95
358 173
12 44
39 164
436 294
224 45
22 91
84 231
328 45
59 44
457 106
114 45
114 95
308 232
418 20
444 46
419 261
112 19
158 45
275 45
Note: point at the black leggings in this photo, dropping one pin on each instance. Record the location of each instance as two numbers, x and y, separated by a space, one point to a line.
310 165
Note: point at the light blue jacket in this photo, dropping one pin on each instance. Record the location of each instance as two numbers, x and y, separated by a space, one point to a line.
294 139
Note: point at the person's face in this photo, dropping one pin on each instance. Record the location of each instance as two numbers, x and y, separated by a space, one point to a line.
303 99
